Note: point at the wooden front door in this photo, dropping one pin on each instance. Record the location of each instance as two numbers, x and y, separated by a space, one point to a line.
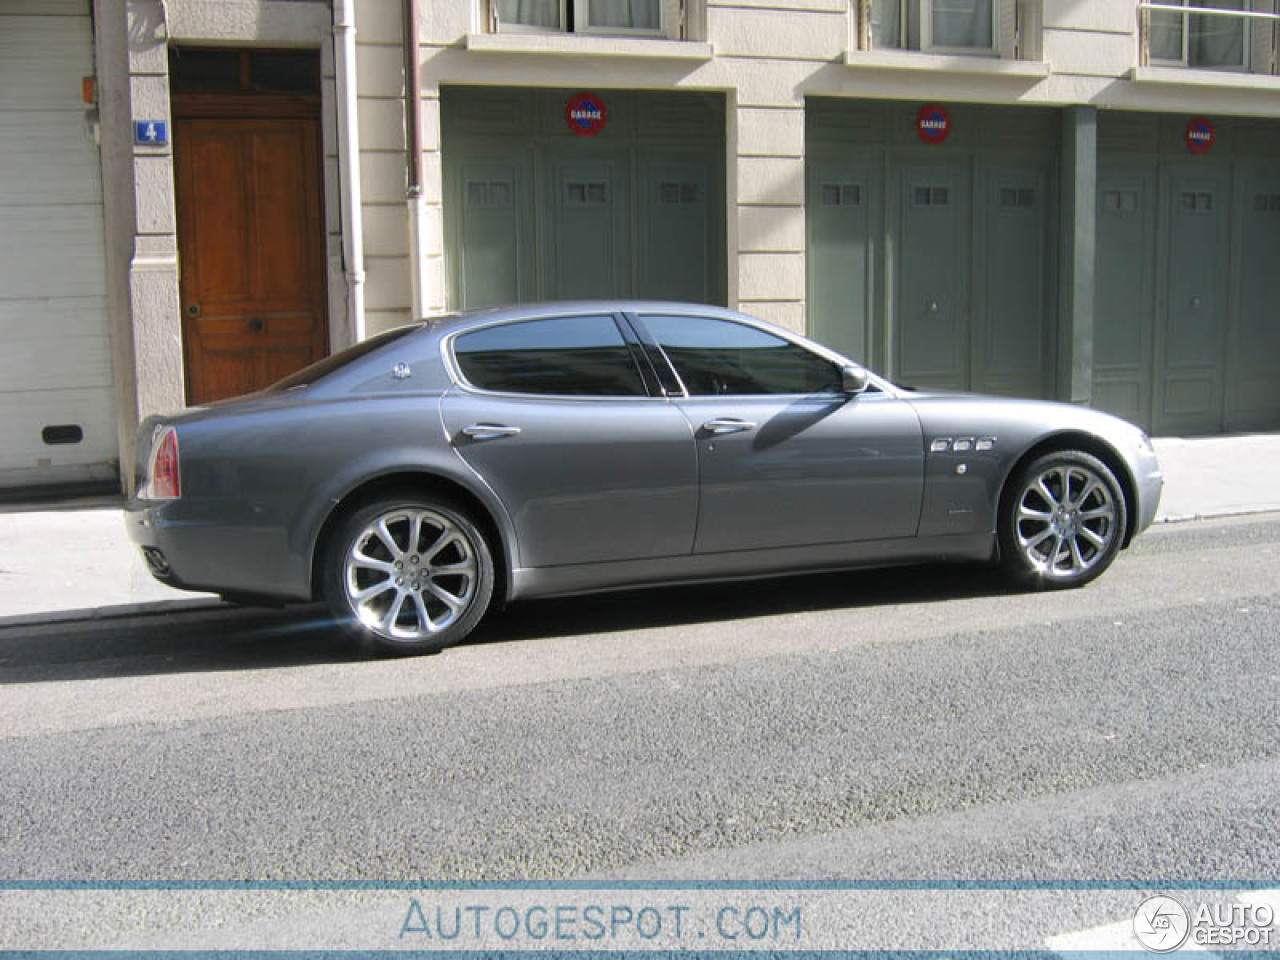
250 238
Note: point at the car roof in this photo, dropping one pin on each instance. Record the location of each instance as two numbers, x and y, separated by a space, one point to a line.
556 308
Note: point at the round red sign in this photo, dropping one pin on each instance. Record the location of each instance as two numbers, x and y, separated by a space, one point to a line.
933 123
1200 135
586 114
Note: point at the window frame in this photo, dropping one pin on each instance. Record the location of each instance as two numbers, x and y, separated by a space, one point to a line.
668 15
923 9
926 8
658 355
641 363
1246 45
582 23
512 26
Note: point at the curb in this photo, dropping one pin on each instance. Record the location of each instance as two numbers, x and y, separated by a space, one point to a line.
1251 511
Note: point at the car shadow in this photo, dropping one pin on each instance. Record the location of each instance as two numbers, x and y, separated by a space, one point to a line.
710 602
227 638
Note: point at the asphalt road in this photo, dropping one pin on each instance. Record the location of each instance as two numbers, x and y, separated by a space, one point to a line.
902 723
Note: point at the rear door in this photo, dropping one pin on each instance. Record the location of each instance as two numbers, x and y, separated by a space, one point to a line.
784 457
556 416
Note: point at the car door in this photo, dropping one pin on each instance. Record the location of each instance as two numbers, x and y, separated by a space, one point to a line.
555 415
785 457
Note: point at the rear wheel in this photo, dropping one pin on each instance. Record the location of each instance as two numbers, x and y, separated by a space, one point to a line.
1062 520
408 575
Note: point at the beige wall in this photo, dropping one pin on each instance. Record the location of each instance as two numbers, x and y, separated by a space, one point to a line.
767 58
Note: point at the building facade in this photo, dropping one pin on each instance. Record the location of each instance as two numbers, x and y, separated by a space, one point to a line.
1076 199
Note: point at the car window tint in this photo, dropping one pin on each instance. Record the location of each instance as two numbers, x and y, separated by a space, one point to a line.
561 356
716 356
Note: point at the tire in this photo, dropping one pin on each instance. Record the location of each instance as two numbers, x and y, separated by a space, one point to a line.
408 575
1062 521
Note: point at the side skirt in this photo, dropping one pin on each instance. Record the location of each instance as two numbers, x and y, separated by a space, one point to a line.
531 582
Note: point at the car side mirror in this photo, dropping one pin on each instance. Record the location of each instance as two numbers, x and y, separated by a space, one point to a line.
853 379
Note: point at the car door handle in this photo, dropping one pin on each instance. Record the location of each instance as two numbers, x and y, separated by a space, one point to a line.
728 425
489 431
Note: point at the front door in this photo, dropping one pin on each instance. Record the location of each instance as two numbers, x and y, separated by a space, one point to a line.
785 458
250 238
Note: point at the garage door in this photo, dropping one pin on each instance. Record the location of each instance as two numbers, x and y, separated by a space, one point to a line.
57 408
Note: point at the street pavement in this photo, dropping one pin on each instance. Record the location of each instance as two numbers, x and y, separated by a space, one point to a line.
74 560
879 725
883 724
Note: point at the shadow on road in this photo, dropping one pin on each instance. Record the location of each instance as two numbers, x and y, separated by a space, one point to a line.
246 638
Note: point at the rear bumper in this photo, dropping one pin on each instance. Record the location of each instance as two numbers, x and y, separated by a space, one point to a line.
184 546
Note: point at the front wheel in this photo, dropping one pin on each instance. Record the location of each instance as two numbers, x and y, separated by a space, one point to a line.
1062 520
408 575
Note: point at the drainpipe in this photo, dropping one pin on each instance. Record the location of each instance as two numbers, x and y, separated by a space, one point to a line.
413 148
344 50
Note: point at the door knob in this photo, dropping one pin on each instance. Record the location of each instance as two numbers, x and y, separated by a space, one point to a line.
193 309
256 324
728 425
489 431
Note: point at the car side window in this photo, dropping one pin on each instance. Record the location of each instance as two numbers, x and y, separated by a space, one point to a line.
715 356
555 356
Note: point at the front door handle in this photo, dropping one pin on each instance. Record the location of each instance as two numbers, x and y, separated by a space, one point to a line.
728 425
489 431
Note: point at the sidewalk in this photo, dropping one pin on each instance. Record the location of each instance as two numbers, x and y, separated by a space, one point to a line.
75 557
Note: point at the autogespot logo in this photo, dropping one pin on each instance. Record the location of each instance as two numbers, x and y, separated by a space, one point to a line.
1161 924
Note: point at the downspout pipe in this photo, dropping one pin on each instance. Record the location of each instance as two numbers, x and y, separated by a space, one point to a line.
344 55
413 160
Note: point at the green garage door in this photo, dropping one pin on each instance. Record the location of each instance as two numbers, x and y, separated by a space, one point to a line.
1191 333
1253 388
534 211
935 262
1185 339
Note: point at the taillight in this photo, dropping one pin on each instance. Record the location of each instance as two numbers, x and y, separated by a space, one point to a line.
165 480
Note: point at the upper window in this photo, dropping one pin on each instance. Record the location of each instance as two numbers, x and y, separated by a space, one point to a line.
558 356
1216 41
641 17
206 70
715 357
944 26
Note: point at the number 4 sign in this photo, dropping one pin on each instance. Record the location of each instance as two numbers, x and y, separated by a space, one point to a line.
152 133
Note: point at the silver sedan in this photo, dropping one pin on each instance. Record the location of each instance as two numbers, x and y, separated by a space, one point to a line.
420 477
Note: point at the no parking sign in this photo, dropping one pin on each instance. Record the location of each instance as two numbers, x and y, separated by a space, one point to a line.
933 123
586 114
1200 135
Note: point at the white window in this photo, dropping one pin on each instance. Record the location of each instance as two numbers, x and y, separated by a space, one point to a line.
937 26
1212 41
609 17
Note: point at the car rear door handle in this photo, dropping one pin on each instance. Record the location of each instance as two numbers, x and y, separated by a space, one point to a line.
489 431
728 425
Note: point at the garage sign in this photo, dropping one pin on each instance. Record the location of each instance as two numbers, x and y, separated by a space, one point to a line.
933 123
586 114
1200 135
